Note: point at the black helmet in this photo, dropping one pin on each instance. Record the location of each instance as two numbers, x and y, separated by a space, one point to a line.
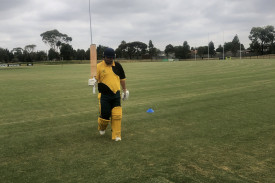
109 53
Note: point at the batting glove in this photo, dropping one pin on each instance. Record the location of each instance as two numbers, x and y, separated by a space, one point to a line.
125 95
92 82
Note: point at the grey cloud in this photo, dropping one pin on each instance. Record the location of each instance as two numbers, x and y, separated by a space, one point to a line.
7 5
164 22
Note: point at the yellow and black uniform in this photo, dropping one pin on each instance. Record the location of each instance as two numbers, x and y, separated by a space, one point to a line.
109 77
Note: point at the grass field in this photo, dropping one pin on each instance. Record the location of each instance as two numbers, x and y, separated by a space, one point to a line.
214 121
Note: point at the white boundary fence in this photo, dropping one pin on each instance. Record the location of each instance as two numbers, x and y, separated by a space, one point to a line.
15 65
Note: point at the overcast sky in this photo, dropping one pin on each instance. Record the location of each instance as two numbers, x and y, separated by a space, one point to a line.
162 21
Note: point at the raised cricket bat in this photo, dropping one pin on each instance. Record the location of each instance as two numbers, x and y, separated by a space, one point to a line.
93 62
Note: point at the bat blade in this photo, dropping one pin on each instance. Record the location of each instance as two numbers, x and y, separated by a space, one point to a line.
93 60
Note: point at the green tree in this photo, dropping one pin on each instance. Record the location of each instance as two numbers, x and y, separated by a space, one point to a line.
219 49
227 46
186 50
263 36
255 47
5 55
169 49
130 50
272 48
140 48
118 53
100 51
179 52
28 53
201 51
235 45
211 49
66 51
53 54
80 54
135 49
41 56
58 45
87 53
152 50
27 57
121 51
18 54
182 52
54 38
30 48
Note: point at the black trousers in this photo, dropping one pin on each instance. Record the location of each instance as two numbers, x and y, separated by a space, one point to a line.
107 103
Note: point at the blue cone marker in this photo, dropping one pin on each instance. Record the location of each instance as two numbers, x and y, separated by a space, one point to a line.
150 110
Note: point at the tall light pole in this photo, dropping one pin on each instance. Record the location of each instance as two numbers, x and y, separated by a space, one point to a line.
90 22
223 45
208 46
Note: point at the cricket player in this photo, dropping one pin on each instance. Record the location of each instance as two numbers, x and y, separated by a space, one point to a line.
110 76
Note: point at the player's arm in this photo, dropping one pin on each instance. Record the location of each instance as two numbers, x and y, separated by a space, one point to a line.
123 84
125 93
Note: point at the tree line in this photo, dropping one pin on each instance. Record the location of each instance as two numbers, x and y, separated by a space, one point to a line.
262 42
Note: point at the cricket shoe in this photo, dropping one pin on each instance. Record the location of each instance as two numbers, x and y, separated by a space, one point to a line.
102 132
118 139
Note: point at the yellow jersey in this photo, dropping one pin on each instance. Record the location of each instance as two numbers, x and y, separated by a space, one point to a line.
109 76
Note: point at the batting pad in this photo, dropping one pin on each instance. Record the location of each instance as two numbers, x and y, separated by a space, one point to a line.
102 124
116 122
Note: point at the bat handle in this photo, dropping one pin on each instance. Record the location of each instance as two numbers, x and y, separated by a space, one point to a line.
94 89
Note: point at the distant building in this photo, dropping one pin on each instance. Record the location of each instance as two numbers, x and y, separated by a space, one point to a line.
162 55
